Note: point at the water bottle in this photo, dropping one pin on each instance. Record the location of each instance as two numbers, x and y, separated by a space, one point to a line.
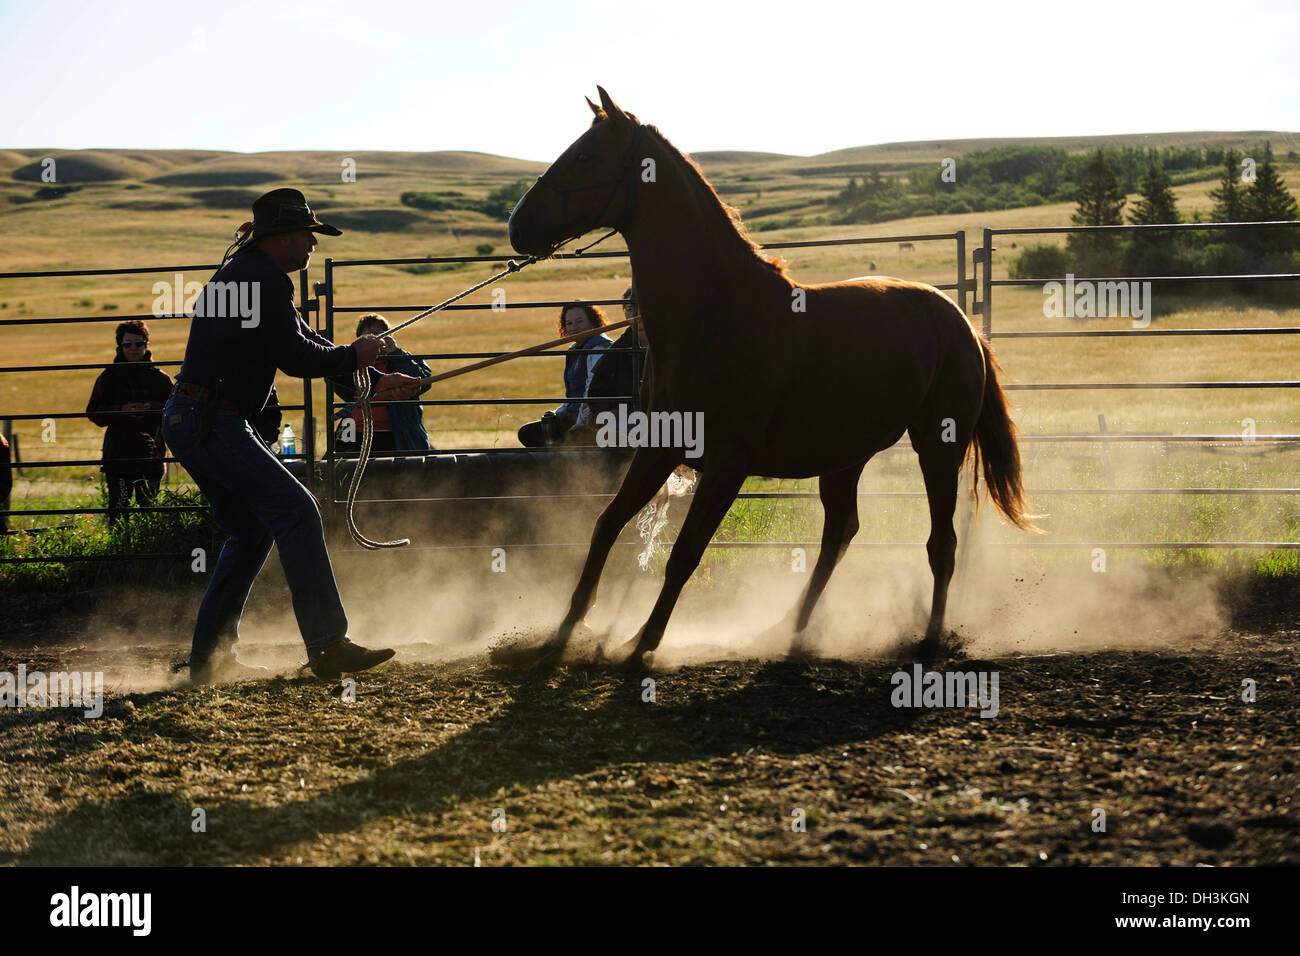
288 445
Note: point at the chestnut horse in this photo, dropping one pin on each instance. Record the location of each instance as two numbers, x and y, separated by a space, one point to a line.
792 380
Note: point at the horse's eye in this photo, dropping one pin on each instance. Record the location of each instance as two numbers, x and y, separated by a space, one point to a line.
584 157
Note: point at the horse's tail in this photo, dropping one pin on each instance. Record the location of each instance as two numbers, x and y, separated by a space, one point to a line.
996 446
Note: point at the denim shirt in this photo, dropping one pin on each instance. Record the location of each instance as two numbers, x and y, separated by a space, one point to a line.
579 364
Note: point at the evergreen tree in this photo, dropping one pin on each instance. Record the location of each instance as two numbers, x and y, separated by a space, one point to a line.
1152 252
1268 199
1157 204
1228 205
1100 202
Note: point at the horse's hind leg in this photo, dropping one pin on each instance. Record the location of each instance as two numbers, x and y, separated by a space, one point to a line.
713 496
941 469
646 474
839 494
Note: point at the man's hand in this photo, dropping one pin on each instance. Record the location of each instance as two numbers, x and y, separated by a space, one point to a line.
396 387
368 348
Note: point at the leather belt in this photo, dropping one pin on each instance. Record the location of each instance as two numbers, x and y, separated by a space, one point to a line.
203 395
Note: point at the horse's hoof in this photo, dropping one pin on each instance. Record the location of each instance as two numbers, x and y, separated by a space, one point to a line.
549 655
802 652
630 656
637 662
528 656
944 645
931 648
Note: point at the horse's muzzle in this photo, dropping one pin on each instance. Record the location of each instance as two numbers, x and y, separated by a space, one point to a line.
525 229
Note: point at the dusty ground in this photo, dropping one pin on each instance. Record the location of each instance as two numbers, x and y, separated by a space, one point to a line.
576 767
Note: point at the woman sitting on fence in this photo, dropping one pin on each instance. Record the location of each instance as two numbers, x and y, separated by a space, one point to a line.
127 401
579 364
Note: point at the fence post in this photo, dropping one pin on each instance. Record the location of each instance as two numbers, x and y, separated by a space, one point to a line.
308 432
326 291
308 421
961 270
980 259
987 292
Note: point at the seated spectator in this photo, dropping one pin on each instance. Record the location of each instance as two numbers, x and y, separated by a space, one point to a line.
619 370
579 364
397 427
133 386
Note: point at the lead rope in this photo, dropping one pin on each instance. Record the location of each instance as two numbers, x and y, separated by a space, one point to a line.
361 384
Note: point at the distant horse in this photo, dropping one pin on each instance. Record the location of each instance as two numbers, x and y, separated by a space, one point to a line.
906 246
792 380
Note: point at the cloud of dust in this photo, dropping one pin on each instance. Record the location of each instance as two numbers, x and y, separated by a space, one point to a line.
439 605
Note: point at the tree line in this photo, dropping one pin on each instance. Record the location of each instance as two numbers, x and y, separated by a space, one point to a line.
1249 189
1011 177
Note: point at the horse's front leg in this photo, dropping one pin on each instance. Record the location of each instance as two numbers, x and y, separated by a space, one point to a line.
713 496
646 474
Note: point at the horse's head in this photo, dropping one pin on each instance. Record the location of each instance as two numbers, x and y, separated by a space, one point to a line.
593 183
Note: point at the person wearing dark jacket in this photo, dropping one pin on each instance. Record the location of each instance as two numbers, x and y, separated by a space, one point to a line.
619 371
245 326
127 403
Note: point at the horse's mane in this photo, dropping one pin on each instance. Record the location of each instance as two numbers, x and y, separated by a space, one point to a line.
694 173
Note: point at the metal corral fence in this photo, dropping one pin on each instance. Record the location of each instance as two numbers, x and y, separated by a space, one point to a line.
983 306
40 419
319 305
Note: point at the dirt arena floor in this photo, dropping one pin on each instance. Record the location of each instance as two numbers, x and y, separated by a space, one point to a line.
444 759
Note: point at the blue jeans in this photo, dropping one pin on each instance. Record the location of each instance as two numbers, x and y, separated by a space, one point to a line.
256 502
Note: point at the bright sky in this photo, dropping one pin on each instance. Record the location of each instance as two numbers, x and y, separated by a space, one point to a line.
794 76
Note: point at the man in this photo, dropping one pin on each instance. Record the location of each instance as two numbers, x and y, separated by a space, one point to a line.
245 326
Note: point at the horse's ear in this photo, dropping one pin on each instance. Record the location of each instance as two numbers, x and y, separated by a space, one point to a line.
594 108
610 106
